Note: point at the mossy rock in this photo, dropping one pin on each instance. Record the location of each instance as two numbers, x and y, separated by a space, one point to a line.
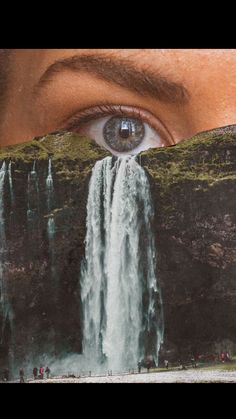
59 146
206 157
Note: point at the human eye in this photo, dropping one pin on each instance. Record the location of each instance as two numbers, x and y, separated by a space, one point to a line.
123 130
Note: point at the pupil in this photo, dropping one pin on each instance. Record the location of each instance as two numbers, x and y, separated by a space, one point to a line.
125 130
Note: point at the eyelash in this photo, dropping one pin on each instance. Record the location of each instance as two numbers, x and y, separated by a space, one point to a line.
77 121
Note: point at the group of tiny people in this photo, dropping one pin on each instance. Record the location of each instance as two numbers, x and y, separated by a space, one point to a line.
38 374
147 364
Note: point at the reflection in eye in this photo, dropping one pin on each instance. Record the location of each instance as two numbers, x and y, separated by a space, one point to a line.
125 132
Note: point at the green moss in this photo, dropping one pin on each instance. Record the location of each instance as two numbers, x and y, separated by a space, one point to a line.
26 152
201 159
66 146
73 146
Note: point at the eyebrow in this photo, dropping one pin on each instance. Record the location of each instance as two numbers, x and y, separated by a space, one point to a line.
122 72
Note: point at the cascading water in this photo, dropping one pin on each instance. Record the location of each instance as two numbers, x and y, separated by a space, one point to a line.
33 197
122 306
11 183
50 201
6 311
4 306
2 234
51 221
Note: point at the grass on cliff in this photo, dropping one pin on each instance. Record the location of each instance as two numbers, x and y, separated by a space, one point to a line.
201 159
25 152
60 146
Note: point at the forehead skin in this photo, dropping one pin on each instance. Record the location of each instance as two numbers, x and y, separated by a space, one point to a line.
208 75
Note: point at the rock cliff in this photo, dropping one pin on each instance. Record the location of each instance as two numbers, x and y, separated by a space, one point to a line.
193 187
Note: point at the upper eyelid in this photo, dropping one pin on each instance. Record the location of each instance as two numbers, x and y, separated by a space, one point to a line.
95 113
85 109
99 110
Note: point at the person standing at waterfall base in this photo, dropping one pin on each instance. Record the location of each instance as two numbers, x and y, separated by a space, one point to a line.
139 367
41 372
193 362
6 375
148 365
22 375
35 373
47 371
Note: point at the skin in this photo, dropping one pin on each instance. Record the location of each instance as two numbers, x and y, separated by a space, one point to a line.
30 110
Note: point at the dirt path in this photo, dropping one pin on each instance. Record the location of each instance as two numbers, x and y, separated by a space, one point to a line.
189 376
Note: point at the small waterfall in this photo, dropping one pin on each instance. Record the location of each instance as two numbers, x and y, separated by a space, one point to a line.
33 198
51 221
2 224
11 184
50 201
49 186
51 229
2 230
6 311
3 299
122 306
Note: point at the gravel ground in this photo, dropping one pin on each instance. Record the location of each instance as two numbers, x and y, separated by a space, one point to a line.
189 376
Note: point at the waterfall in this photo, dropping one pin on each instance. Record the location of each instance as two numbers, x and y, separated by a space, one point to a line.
6 311
49 186
51 221
2 231
121 299
10 183
50 201
51 229
33 197
2 226
2 247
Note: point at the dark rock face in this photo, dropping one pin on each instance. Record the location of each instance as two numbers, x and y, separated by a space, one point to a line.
194 192
193 187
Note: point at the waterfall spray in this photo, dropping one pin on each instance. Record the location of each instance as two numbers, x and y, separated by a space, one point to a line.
122 306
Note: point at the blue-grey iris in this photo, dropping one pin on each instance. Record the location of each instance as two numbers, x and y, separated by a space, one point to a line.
123 134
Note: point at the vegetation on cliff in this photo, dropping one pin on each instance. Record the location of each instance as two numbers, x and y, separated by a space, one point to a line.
72 155
205 158
58 146
199 158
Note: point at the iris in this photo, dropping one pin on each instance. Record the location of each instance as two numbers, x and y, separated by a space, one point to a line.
123 134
